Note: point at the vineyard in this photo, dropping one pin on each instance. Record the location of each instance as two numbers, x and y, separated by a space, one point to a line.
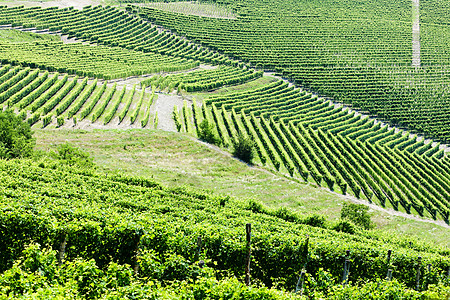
356 54
120 219
352 98
308 138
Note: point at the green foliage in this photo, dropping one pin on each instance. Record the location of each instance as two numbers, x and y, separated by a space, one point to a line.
344 225
256 207
243 148
176 117
314 220
358 214
73 156
206 133
15 136
121 218
373 72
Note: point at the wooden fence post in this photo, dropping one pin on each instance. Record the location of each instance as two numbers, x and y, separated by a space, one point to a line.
299 287
248 229
199 248
389 275
346 268
62 251
419 261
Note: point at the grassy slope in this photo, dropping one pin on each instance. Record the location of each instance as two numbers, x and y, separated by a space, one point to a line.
175 159
16 36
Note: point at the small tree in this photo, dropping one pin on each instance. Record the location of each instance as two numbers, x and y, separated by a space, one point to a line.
16 138
358 214
243 148
206 133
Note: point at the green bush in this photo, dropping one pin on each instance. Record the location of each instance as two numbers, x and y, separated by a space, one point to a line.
243 148
206 133
315 221
73 156
344 225
16 138
358 214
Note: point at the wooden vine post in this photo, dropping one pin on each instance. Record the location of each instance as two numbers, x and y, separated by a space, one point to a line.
346 268
248 229
389 271
419 261
62 251
199 248
301 278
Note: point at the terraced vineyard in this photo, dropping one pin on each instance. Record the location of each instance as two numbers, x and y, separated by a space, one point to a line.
307 137
83 60
43 98
352 108
359 54
203 80
110 26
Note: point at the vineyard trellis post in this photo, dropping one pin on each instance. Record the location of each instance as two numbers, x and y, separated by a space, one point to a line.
62 250
248 229
199 248
301 278
389 275
137 253
346 268
419 261
388 263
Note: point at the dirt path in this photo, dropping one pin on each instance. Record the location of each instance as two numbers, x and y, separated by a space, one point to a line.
164 106
416 34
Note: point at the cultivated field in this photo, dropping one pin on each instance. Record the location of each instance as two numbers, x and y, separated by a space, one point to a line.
339 102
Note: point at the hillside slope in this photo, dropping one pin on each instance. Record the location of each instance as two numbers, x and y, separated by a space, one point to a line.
178 160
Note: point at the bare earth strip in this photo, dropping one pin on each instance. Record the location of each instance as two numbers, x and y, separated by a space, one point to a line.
416 34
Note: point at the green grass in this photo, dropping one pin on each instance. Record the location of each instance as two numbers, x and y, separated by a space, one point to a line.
189 8
176 159
17 36
253 84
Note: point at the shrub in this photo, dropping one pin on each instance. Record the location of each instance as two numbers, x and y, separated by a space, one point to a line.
358 214
243 148
206 133
256 207
315 220
74 156
344 225
16 138
285 214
